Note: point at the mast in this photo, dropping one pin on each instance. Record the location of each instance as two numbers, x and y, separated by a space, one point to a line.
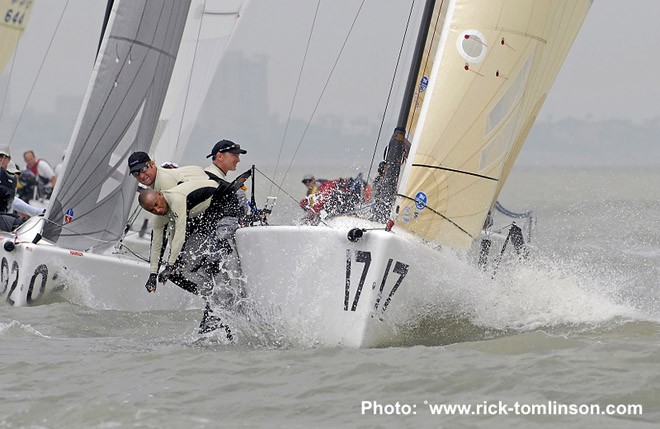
106 18
396 146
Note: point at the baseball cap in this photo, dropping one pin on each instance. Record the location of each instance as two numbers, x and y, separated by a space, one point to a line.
137 160
4 153
226 146
307 178
11 167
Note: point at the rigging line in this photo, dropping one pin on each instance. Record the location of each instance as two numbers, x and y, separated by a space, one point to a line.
389 94
452 170
435 212
295 93
34 83
73 232
140 257
325 86
426 63
279 187
185 100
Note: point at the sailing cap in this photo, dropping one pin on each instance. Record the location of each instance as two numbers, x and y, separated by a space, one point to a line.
11 167
226 146
137 160
307 178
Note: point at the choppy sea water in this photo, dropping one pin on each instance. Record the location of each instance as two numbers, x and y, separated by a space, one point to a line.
544 344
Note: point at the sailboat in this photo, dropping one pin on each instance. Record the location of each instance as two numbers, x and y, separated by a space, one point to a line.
480 73
15 15
87 213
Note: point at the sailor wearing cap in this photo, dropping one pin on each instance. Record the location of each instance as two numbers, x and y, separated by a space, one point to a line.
145 171
225 156
8 200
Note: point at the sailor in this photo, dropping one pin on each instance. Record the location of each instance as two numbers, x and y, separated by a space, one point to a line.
311 183
225 156
190 212
11 206
8 220
145 171
43 172
335 197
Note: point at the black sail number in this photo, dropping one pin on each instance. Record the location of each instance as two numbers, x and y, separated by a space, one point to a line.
41 271
10 274
4 275
365 258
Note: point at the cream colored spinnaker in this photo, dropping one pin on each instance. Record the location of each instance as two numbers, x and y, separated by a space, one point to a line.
14 15
494 64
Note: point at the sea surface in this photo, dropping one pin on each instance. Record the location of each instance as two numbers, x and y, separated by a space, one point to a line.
569 339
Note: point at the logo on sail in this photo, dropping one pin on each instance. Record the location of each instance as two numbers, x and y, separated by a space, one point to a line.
420 200
68 216
423 83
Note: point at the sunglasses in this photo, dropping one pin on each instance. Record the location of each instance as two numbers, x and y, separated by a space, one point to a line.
144 168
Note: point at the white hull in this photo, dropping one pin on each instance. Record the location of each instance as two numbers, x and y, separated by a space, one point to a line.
314 281
32 274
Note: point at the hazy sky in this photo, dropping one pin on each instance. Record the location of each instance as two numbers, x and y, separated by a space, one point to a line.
612 69
611 72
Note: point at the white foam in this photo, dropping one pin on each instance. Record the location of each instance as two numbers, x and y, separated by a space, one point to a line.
531 294
15 328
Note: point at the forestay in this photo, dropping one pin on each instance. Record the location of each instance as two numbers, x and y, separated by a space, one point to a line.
493 64
14 16
120 111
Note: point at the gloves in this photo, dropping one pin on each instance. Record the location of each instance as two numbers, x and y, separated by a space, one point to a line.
226 188
167 272
239 181
151 283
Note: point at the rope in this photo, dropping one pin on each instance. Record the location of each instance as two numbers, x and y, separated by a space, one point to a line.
295 93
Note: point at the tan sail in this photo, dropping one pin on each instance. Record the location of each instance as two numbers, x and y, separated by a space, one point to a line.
495 62
14 15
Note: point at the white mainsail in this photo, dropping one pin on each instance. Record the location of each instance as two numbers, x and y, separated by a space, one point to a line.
209 29
14 16
494 63
94 195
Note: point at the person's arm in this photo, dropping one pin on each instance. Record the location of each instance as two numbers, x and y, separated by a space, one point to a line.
23 207
177 206
45 170
157 239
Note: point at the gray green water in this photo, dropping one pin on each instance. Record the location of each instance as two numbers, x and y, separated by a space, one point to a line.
578 326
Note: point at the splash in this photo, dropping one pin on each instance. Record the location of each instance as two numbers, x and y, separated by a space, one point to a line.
536 293
17 329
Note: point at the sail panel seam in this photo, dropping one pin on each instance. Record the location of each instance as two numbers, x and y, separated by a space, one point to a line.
137 42
453 170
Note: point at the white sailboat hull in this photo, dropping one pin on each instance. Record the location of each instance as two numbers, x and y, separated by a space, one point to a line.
33 274
314 281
